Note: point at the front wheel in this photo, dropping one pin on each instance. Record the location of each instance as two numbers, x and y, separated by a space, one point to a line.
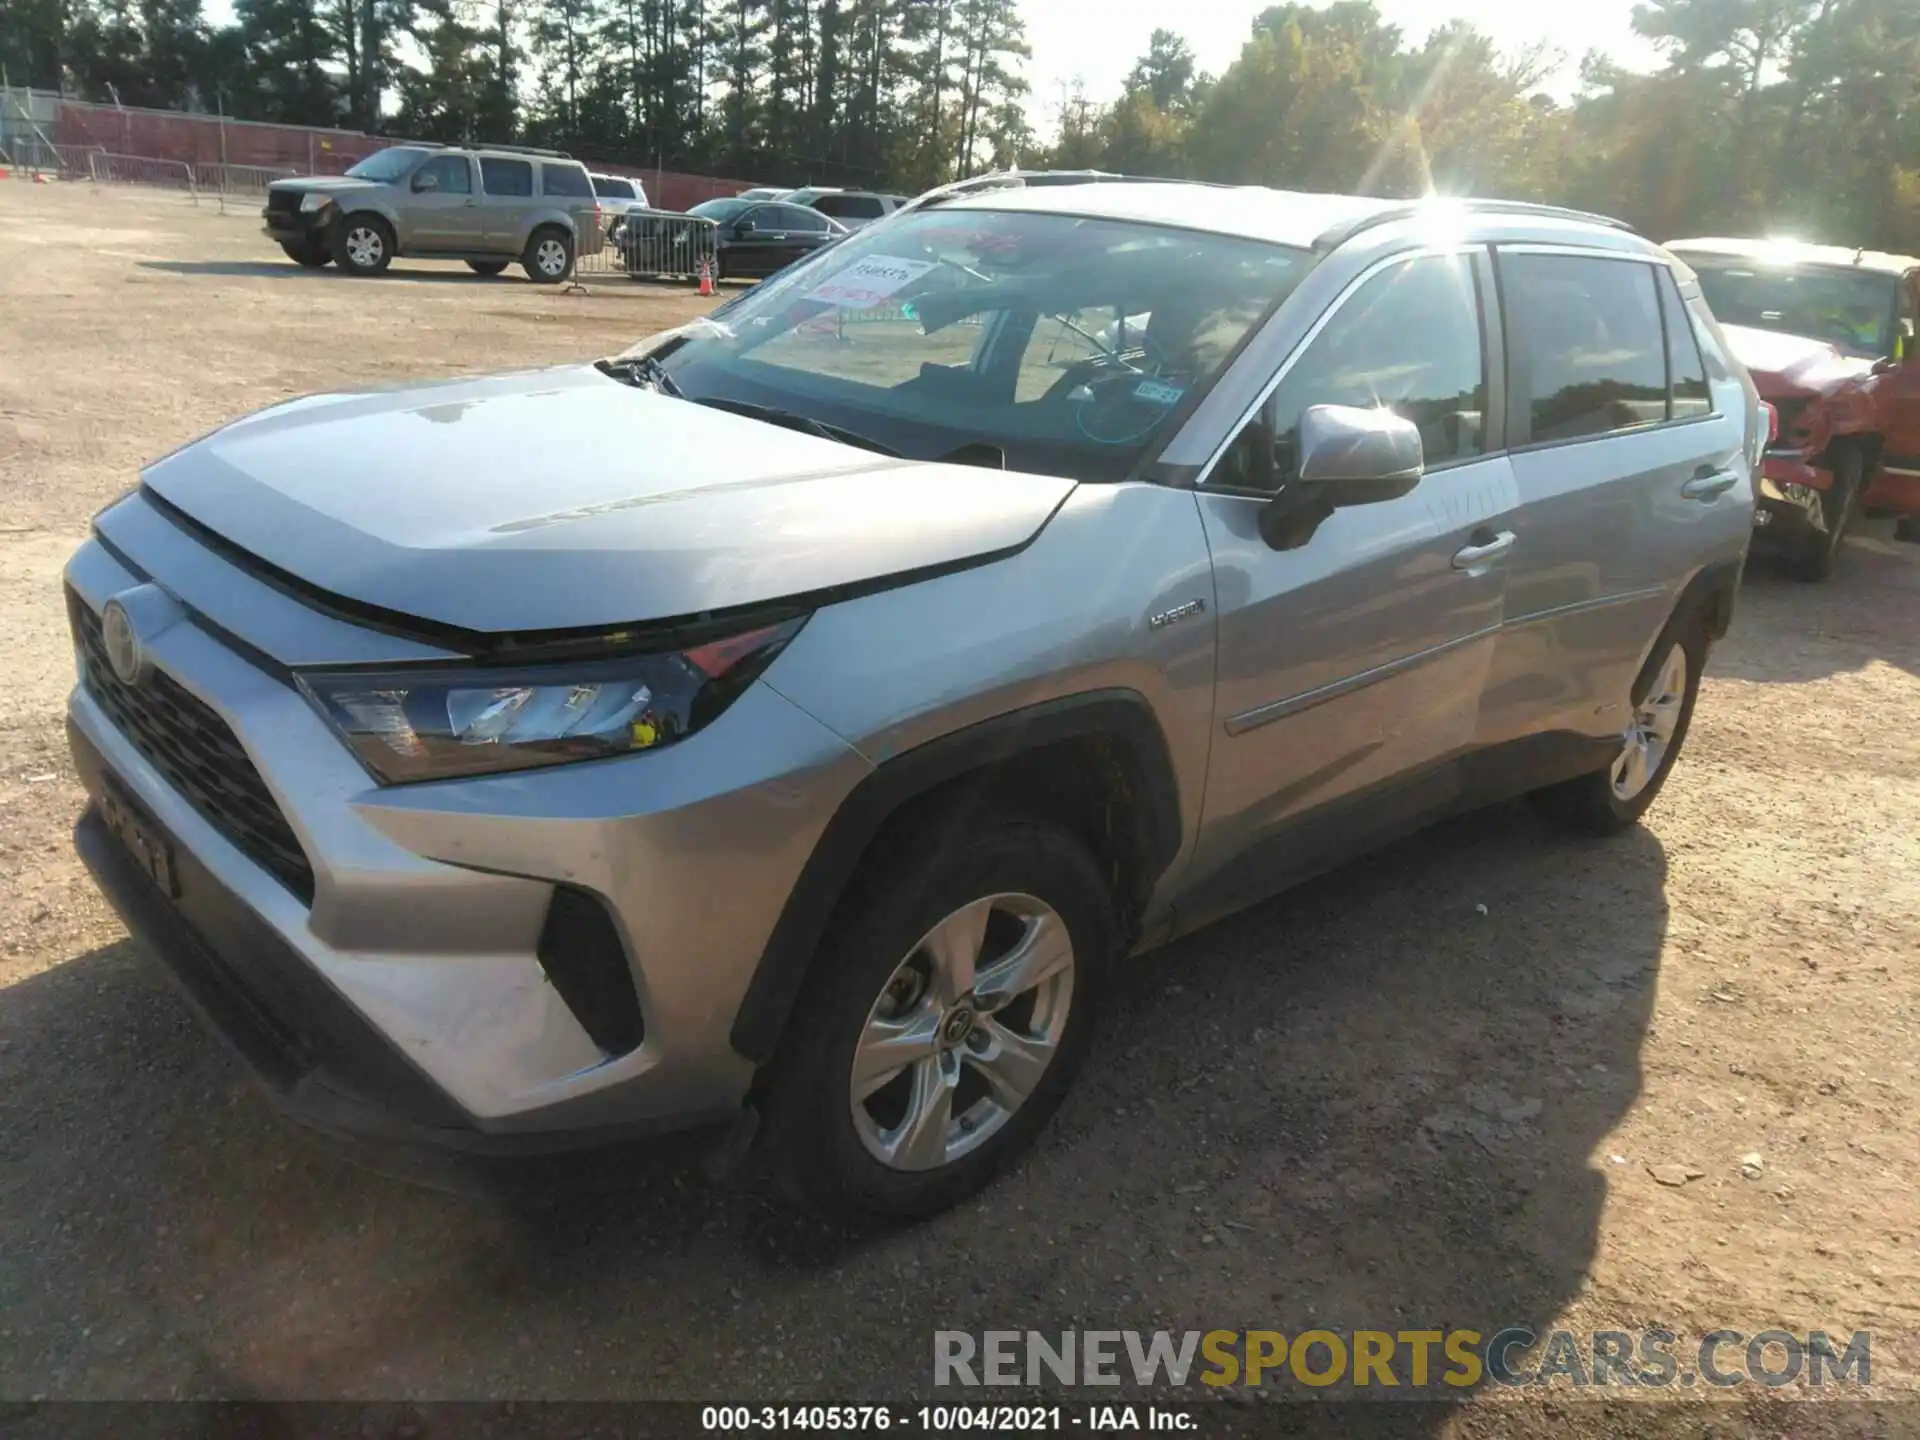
487 267
1818 549
548 258
1612 799
308 255
363 245
945 1016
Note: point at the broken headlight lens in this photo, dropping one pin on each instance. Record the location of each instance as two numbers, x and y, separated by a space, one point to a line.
435 724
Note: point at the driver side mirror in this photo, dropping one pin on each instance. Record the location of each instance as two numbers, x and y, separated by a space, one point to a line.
1346 456
745 227
424 181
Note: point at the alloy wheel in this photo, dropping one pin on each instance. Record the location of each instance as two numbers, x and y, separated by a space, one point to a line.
962 1032
551 256
1650 735
365 245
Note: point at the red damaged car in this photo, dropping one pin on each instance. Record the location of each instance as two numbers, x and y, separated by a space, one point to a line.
1828 334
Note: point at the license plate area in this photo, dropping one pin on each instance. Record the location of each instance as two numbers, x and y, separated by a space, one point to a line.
141 835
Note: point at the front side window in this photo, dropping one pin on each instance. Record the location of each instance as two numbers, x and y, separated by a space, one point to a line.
506 177
1586 335
451 175
1407 340
1853 309
567 180
1068 344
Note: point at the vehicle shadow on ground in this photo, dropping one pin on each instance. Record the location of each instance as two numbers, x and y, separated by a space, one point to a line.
1788 632
287 270
1372 1104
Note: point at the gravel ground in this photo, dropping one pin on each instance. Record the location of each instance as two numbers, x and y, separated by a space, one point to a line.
1441 1088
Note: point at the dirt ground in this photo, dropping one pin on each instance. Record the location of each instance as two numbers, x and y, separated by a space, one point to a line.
1429 1092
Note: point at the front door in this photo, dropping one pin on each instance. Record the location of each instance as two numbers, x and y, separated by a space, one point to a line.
1350 668
442 209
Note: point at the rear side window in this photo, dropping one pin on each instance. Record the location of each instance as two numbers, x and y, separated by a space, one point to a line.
1586 337
1690 398
506 177
568 180
794 217
850 207
612 187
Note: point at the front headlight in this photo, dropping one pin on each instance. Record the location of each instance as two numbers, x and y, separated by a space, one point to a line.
313 200
433 724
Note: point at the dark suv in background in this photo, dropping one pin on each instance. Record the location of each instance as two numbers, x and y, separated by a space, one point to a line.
489 206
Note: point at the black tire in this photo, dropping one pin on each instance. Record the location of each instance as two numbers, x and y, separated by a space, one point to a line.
311 256
537 260
1589 804
1814 556
487 267
1907 530
809 1135
363 244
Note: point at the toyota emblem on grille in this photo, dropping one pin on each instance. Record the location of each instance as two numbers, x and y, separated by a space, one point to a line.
124 652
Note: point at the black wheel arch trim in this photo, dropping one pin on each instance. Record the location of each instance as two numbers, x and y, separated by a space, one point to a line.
1117 714
1707 601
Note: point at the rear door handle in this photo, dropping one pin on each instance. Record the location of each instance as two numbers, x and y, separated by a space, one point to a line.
1487 551
1708 484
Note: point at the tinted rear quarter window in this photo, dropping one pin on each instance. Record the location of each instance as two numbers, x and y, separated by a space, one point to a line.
613 188
506 177
851 207
1587 336
568 180
1691 397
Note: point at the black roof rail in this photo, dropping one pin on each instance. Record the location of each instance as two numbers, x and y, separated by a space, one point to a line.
1340 234
520 150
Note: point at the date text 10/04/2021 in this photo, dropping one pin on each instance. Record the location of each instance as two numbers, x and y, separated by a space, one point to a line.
992 1419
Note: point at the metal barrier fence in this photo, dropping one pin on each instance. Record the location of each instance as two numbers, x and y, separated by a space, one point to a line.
240 179
28 156
107 168
647 244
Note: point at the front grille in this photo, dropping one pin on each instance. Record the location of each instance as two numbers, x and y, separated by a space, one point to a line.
1790 410
199 756
283 202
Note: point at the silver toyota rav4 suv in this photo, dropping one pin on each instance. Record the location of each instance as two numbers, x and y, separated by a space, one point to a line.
794 720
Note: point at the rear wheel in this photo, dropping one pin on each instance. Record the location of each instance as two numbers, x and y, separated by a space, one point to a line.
1610 800
548 258
309 254
1907 530
487 267
946 1013
363 245
1818 549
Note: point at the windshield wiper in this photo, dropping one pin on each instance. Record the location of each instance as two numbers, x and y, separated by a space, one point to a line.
644 372
794 420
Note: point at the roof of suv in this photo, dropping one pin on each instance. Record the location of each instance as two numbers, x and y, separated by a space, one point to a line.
1799 252
1285 217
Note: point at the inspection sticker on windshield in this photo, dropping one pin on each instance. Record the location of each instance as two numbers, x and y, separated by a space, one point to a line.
1157 392
865 283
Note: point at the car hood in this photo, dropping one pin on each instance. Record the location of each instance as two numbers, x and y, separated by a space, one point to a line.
1792 365
558 499
325 184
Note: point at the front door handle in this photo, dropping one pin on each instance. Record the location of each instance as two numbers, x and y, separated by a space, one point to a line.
1483 552
1709 484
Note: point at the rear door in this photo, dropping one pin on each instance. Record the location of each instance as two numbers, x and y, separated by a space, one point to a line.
506 201
1632 477
443 211
566 186
1350 668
